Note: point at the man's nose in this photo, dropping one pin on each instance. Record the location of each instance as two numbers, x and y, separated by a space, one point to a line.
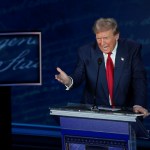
102 41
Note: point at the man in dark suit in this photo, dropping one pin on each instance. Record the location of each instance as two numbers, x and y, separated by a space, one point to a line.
129 85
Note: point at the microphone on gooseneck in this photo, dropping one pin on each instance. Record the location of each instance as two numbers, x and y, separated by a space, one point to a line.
95 107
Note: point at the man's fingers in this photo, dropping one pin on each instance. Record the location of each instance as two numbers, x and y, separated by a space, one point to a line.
59 70
141 110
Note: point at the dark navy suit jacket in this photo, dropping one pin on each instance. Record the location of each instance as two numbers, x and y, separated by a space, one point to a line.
130 85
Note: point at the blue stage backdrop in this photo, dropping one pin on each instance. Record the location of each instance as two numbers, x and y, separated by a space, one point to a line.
65 25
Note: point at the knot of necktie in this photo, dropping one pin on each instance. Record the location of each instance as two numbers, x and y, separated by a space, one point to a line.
109 54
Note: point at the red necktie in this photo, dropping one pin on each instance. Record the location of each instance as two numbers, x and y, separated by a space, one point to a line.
110 77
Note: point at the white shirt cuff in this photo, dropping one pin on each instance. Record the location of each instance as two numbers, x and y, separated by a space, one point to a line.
68 87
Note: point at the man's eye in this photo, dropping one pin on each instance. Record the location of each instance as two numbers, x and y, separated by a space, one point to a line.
105 38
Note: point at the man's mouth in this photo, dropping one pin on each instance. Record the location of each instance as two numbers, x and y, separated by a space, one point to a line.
105 47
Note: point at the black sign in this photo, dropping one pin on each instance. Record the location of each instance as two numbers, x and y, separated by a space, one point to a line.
20 58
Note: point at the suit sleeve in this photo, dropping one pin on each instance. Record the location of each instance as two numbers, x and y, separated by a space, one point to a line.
78 75
139 79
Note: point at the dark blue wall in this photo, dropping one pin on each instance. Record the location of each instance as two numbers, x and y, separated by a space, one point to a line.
65 26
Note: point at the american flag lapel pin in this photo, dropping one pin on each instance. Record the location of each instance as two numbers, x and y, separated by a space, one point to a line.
122 59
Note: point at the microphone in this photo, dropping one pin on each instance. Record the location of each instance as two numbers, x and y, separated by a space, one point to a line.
99 61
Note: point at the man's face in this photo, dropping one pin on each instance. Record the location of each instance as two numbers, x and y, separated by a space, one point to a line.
106 40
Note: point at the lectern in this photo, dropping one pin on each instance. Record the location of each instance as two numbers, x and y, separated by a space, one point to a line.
104 129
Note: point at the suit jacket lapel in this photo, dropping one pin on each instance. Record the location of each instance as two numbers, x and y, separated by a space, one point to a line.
102 73
103 79
119 63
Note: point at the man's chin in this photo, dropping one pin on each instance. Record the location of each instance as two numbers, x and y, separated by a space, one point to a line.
106 51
